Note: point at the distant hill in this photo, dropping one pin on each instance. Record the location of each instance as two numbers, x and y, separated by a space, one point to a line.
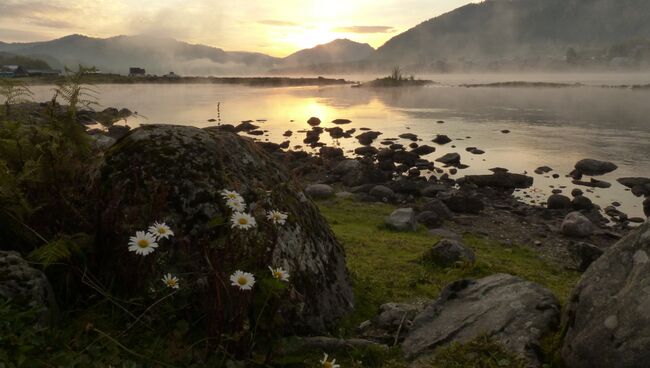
27 62
156 55
501 29
341 50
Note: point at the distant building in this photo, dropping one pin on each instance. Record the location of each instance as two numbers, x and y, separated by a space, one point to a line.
137 72
13 71
171 75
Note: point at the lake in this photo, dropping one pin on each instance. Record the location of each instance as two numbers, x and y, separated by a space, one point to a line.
549 126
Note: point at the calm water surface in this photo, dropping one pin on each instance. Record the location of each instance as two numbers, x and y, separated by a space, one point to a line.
554 127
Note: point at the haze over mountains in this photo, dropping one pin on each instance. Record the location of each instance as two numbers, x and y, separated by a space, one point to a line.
494 31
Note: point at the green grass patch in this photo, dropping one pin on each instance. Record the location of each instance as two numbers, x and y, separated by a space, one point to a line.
386 265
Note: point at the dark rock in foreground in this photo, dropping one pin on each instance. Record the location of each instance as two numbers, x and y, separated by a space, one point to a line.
577 225
639 186
402 219
175 174
584 254
608 324
513 311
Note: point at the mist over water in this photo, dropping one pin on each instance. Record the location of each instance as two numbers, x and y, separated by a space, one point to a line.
549 126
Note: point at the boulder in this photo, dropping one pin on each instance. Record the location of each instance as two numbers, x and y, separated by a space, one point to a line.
639 186
575 224
450 159
313 121
25 286
438 207
607 319
448 252
558 202
584 254
319 191
402 219
423 150
366 138
382 192
409 136
366 151
461 201
499 179
432 190
429 219
176 174
511 310
581 203
593 167
441 139
346 166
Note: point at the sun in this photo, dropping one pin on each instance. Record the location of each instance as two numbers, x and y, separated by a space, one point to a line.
310 37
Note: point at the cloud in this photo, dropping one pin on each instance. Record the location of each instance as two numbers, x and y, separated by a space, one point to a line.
38 13
278 23
365 29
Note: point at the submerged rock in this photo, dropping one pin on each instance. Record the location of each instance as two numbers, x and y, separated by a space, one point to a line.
607 318
503 180
175 174
515 312
441 139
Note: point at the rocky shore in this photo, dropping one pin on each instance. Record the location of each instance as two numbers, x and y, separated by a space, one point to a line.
139 174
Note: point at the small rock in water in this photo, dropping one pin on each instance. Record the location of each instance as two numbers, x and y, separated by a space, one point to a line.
341 121
593 167
450 159
313 121
441 139
410 136
505 131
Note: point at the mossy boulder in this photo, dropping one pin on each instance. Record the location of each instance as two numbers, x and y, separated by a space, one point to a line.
175 174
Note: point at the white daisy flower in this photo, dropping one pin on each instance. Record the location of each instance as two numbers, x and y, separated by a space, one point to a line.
160 230
243 280
241 220
171 281
142 243
279 273
232 195
277 217
327 364
236 205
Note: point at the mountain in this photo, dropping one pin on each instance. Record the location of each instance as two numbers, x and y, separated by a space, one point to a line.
501 29
156 55
341 51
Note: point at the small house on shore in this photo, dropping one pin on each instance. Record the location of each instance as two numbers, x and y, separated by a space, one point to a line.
137 72
44 72
13 71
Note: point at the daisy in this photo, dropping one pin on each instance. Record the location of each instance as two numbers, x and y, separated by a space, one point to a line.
243 280
160 230
231 195
242 220
277 217
142 243
326 364
171 281
279 273
236 205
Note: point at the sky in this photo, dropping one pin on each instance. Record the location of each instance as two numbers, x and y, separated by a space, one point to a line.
274 27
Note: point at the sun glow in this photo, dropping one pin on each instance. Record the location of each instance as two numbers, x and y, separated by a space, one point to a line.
310 37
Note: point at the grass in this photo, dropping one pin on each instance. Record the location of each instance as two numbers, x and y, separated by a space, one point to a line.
386 265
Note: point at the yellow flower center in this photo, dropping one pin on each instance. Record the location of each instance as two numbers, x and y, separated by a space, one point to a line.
328 365
161 230
171 282
242 280
242 221
143 243
277 274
